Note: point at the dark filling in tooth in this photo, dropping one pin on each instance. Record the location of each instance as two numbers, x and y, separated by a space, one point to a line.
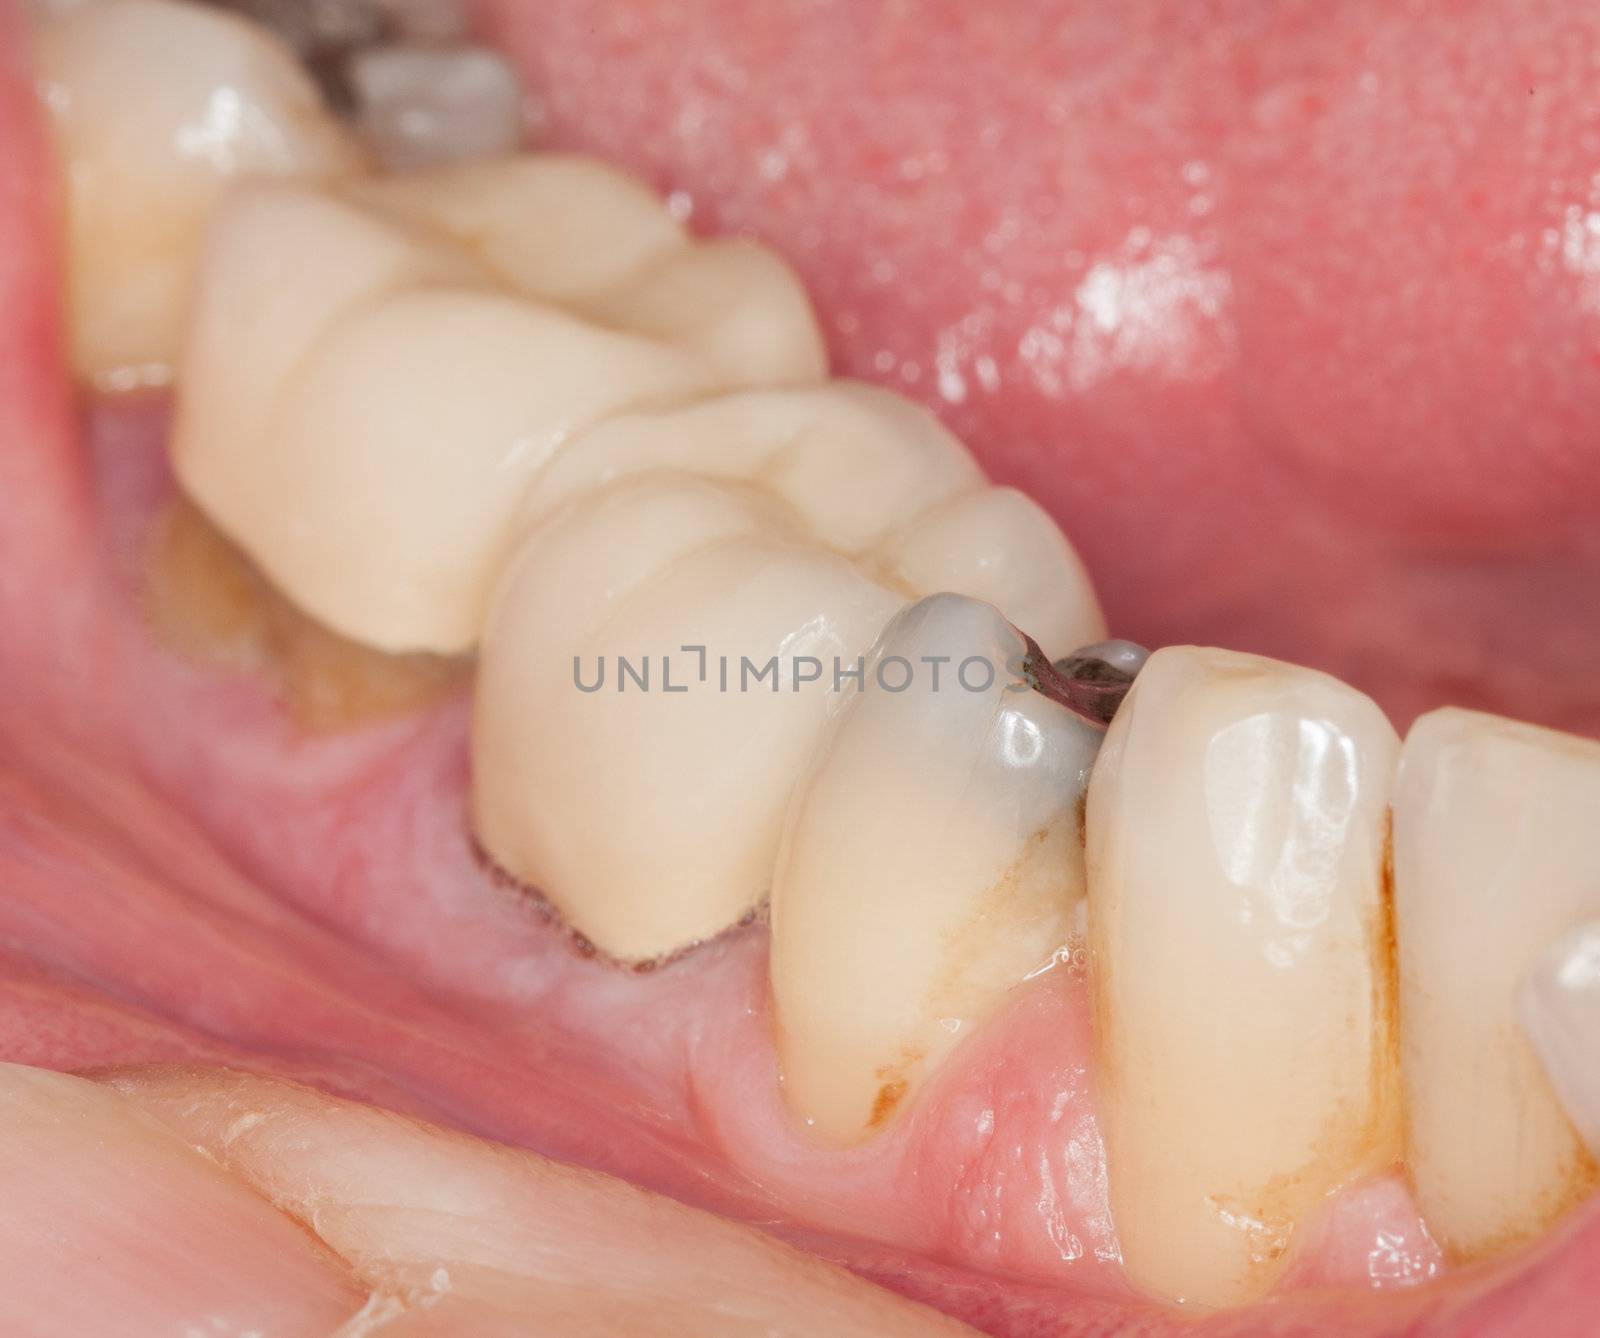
1088 685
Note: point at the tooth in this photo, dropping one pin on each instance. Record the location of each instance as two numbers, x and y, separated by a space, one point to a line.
733 301
1558 1004
571 231
932 861
651 819
1494 858
360 410
852 460
1238 932
424 104
557 226
997 544
156 107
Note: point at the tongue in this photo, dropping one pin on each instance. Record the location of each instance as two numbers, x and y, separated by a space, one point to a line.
1291 314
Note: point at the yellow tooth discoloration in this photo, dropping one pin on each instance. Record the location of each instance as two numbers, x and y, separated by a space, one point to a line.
157 107
932 861
1237 822
1494 858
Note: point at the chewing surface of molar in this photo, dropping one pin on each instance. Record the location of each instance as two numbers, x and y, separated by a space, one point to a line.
1239 939
999 545
157 106
361 409
852 460
932 860
570 230
1494 857
1558 1004
650 817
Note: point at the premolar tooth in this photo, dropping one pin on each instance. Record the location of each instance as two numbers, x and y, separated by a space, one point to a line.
1494 857
999 545
852 460
932 861
1558 1004
1237 920
157 107
651 819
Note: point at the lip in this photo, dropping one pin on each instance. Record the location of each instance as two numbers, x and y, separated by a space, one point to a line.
453 1063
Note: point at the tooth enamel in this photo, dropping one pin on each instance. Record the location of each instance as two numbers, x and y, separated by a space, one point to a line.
556 226
568 230
1494 857
1236 830
998 545
1558 1004
424 105
157 107
651 819
732 301
932 860
853 461
383 496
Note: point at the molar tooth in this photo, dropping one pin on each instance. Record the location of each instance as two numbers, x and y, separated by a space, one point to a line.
569 230
931 862
1236 831
385 495
852 460
281 265
733 301
157 107
1494 857
559 227
1558 1004
651 819
427 104
999 545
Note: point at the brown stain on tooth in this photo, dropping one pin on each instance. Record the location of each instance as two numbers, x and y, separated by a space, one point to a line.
208 602
533 899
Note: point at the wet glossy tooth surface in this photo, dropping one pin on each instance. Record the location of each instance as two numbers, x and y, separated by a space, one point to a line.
932 861
157 107
853 461
1238 932
650 816
363 422
1558 1004
999 545
1494 857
